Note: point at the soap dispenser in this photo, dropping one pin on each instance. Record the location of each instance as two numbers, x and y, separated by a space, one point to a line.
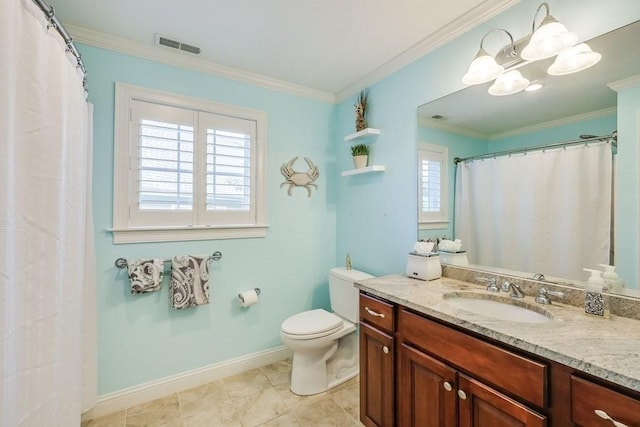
594 299
610 277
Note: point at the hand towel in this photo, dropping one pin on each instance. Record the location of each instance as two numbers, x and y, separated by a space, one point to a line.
450 245
145 274
423 248
189 281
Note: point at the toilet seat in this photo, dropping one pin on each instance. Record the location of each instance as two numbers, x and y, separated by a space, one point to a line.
311 324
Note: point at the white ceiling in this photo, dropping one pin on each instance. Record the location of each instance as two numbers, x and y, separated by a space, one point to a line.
330 46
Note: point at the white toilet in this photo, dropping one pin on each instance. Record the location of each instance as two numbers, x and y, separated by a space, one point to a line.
325 345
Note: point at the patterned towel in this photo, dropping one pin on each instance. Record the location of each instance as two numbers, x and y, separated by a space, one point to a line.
189 281
145 274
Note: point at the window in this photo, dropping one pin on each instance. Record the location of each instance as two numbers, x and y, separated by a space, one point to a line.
432 186
186 169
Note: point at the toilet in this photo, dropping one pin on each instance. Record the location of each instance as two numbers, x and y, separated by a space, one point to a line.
325 345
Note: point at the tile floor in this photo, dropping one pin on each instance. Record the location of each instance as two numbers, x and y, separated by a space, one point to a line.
260 397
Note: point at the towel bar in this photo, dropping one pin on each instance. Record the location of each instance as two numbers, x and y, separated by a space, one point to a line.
122 262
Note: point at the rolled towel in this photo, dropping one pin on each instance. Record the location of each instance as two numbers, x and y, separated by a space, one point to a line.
450 245
423 248
145 275
189 281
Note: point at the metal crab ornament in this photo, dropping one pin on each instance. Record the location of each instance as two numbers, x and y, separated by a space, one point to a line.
299 179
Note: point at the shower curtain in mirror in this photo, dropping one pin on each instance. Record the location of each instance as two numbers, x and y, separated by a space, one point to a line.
544 211
47 295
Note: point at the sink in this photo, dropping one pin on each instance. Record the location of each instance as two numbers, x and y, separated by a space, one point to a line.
498 307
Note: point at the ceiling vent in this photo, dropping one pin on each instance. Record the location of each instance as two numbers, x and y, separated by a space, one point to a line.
165 41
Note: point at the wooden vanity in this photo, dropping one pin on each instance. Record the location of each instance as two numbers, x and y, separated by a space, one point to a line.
417 369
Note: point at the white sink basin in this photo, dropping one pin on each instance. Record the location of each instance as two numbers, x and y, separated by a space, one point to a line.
497 307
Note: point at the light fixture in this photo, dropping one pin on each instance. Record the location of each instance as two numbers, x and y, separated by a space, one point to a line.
549 39
534 87
508 83
574 59
484 67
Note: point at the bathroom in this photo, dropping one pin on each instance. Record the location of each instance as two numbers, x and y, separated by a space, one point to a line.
145 349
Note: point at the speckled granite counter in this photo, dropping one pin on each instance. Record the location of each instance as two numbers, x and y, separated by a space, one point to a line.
605 348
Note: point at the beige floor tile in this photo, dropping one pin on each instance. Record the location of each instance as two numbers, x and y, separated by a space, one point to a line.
277 373
210 391
246 383
159 412
323 413
210 412
113 420
349 399
284 421
260 407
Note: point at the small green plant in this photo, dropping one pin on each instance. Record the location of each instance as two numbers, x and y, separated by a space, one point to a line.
360 150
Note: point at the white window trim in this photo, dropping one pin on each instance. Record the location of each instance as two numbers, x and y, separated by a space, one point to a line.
442 220
123 232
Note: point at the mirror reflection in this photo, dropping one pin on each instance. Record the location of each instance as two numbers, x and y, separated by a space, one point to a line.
548 211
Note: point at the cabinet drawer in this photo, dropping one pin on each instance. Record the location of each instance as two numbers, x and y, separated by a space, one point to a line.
522 377
586 397
376 312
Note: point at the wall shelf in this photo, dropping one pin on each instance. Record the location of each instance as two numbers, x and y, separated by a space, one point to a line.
362 134
368 169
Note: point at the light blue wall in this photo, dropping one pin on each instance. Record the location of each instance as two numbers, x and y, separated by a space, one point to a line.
376 219
140 338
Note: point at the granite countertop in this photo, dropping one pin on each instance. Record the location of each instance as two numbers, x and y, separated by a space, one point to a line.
606 348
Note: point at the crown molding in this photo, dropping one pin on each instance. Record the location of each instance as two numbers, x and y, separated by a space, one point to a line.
437 124
625 83
459 26
182 60
555 123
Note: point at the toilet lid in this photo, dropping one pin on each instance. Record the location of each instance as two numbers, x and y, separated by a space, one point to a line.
317 322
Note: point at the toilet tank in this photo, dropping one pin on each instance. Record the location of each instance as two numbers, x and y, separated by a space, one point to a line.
344 296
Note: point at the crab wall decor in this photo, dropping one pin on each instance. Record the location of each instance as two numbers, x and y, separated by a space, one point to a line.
299 179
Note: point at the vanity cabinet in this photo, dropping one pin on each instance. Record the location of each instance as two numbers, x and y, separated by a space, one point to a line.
377 362
595 405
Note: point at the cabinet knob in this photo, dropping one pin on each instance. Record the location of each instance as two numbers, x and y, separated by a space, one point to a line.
385 349
373 313
602 414
447 386
462 395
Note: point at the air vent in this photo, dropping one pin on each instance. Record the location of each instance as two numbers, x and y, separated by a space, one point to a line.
165 41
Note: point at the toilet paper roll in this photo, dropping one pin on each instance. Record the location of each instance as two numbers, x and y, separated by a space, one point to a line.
248 298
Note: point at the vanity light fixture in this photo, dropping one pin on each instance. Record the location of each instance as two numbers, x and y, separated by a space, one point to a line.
534 87
551 38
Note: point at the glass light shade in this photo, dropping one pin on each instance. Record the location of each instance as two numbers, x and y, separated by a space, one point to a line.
574 59
508 84
548 40
482 69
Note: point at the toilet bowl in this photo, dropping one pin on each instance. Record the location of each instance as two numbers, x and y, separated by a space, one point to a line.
324 344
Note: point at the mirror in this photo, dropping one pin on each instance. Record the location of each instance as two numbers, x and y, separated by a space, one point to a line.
471 122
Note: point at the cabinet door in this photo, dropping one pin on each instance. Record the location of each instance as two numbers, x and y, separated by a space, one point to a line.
427 391
480 405
593 405
376 377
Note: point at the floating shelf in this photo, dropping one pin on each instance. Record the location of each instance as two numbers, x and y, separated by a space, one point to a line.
368 169
363 133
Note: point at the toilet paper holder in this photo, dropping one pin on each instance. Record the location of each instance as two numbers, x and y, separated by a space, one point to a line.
257 290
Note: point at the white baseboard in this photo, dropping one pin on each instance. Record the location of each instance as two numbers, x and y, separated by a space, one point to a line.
126 398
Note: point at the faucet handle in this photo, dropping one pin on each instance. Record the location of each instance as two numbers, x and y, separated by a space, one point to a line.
492 286
543 296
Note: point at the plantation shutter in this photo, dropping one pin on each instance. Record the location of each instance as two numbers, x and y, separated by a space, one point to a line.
430 185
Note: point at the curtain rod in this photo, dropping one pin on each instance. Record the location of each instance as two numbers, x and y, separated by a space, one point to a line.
68 40
613 138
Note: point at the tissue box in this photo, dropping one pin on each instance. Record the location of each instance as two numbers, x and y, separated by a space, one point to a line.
454 258
424 267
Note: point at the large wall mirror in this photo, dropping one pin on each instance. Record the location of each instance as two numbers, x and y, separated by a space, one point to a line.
471 122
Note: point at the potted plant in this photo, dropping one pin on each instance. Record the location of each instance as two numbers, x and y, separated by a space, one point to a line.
360 153
360 108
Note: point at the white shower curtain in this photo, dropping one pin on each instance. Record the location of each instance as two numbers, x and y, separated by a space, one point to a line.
47 295
544 211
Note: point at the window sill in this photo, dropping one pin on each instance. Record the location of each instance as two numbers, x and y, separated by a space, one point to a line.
433 225
180 234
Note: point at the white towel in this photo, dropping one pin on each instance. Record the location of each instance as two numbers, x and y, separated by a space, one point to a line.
189 281
450 245
145 275
423 248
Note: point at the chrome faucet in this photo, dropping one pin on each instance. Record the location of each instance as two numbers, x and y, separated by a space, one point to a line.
544 294
538 276
492 286
513 288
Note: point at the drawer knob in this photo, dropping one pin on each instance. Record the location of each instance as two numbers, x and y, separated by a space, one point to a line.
373 313
602 414
447 386
385 349
462 395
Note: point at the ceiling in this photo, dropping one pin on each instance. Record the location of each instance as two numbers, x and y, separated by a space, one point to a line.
331 46
576 95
